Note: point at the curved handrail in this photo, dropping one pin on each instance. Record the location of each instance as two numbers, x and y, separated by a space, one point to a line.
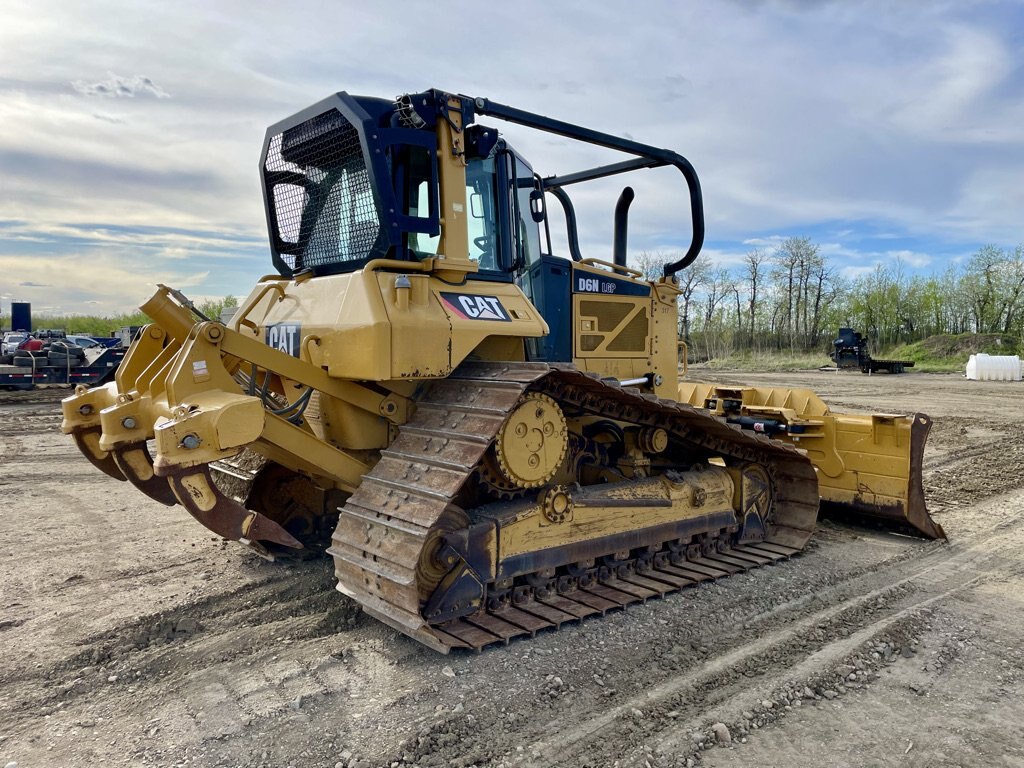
649 157
613 267
243 318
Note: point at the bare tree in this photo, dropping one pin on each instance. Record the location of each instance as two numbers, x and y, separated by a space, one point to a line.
753 264
651 265
691 280
822 277
717 287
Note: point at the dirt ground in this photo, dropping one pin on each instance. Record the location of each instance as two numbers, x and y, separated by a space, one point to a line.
129 636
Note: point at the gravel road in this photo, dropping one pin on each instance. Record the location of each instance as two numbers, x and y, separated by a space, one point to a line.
130 636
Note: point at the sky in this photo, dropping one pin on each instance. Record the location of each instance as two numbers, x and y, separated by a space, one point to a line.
130 132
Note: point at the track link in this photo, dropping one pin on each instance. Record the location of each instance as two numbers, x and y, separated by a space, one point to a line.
638 585
405 503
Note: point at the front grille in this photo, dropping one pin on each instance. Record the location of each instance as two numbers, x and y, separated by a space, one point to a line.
608 314
633 337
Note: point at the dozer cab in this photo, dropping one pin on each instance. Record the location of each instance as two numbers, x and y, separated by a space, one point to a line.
489 438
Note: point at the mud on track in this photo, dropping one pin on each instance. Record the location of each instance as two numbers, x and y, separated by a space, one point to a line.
128 635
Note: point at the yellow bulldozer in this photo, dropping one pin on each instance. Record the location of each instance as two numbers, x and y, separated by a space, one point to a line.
489 439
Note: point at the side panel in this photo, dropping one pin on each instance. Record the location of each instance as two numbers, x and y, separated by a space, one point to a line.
624 328
381 326
339 321
438 325
611 323
548 286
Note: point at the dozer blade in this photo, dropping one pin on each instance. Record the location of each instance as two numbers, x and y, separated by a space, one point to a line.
195 489
88 442
884 456
135 463
869 466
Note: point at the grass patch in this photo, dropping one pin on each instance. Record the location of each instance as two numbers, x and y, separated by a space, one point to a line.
946 353
771 361
937 354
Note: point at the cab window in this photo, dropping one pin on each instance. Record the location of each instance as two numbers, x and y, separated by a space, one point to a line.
527 228
481 182
418 170
481 185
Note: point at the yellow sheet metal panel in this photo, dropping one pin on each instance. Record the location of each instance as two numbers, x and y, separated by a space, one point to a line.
345 312
822 453
612 326
420 331
696 493
888 462
345 424
870 489
384 325
664 341
478 310
615 368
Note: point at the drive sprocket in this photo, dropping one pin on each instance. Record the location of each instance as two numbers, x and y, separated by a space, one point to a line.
531 444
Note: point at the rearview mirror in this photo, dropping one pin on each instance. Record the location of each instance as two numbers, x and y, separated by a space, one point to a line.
537 205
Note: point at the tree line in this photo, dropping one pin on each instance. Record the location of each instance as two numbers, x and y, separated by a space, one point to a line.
792 297
788 298
107 325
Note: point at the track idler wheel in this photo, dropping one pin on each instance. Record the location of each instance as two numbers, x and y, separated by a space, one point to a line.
88 442
195 489
432 566
135 463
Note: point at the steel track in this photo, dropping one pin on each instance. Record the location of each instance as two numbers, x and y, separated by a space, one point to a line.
403 505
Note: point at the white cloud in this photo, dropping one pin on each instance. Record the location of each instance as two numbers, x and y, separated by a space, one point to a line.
772 241
112 286
912 258
117 87
853 272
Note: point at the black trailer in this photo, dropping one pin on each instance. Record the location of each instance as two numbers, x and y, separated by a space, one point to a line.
851 351
97 367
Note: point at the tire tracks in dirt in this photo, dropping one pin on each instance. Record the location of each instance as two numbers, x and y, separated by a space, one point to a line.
799 639
11 448
778 651
167 643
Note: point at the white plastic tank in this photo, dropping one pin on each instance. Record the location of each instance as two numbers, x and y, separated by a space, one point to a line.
983 367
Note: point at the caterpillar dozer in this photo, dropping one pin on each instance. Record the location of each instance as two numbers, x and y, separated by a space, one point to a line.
488 438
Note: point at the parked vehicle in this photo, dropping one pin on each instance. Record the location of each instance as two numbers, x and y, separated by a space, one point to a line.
12 340
851 351
85 342
60 363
